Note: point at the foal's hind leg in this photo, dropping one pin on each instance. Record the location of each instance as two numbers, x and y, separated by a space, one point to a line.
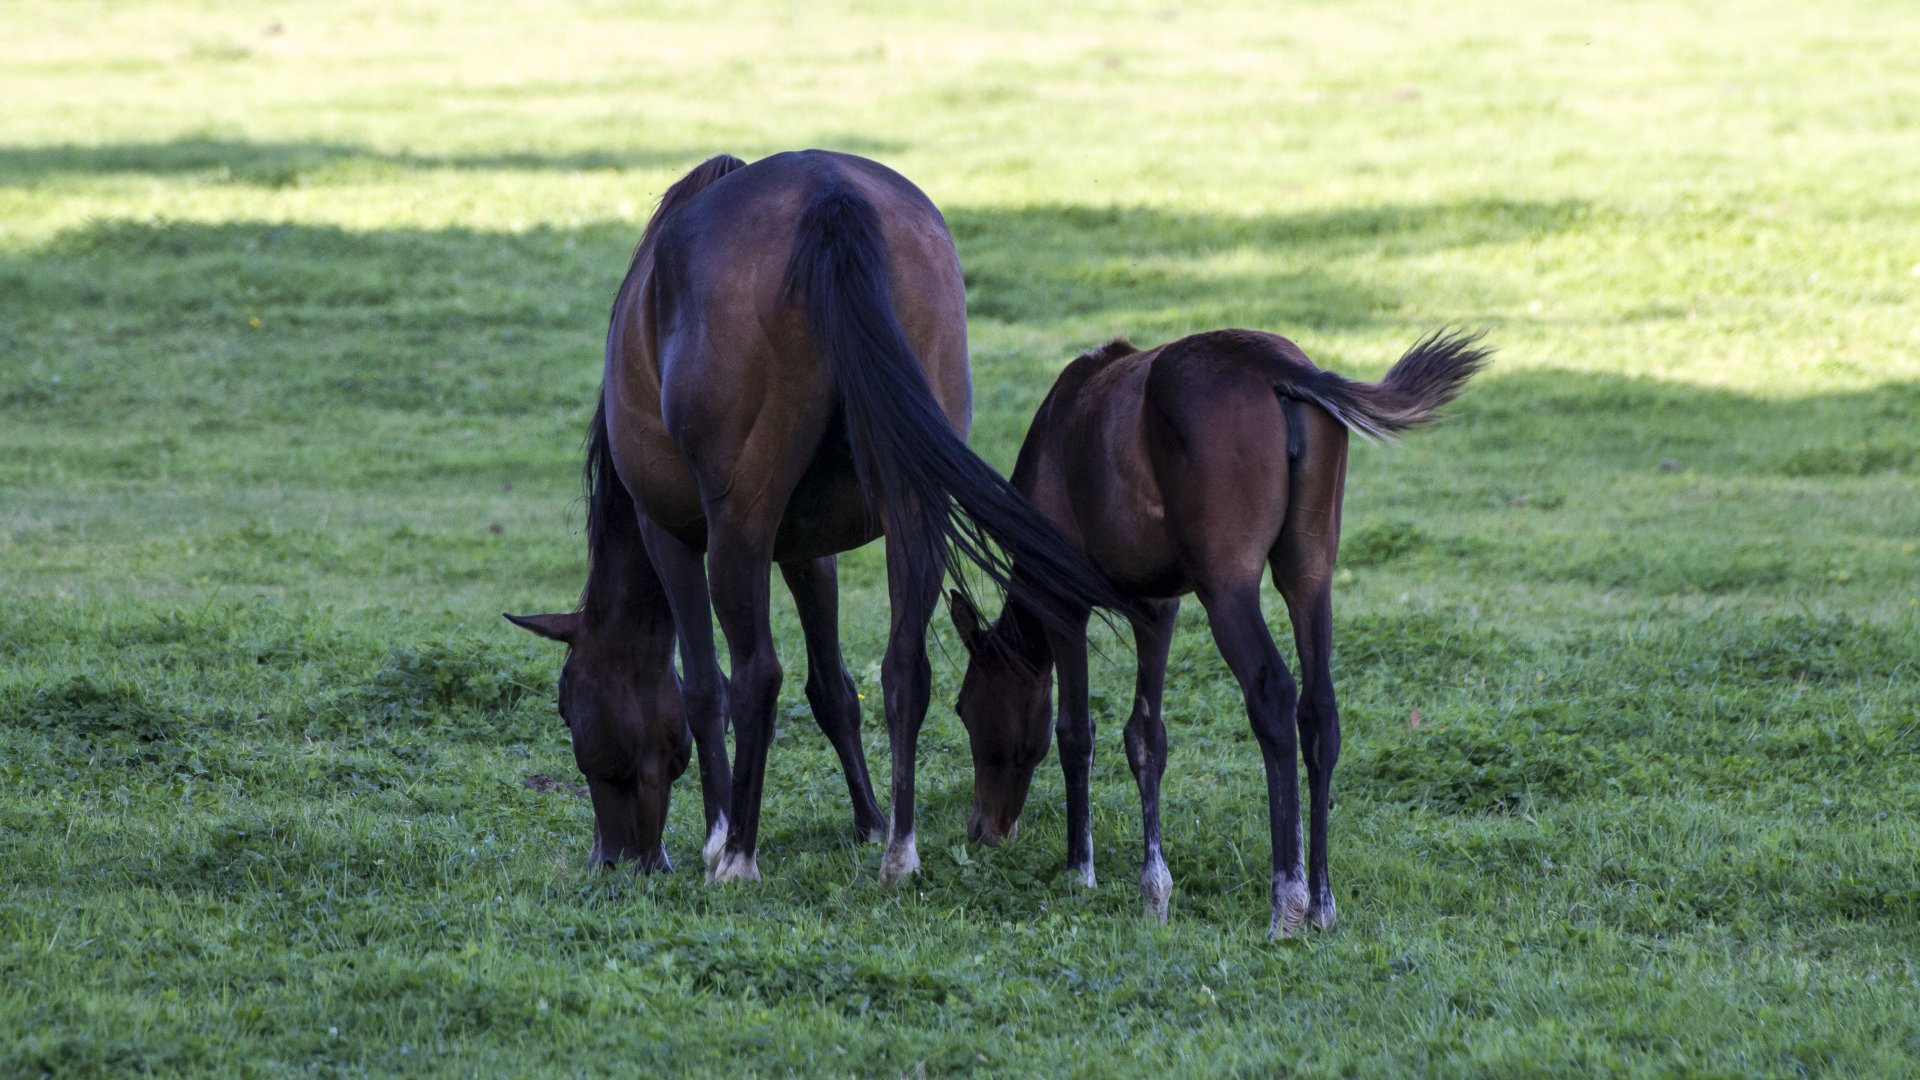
1240 631
1311 608
906 680
1302 562
836 705
683 574
1146 737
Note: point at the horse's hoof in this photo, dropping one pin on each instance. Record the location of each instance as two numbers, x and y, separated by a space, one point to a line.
1082 876
901 862
716 842
1289 907
733 866
1156 885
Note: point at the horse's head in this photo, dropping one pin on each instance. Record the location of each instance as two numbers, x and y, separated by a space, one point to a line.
629 737
1006 703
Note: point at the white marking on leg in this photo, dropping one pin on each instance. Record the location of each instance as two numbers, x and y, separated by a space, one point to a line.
1289 903
901 861
1156 885
1322 916
716 840
733 866
1083 874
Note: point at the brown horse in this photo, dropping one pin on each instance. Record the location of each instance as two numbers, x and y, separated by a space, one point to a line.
786 378
1193 467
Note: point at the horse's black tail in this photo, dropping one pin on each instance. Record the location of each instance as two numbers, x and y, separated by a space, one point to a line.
1431 374
940 497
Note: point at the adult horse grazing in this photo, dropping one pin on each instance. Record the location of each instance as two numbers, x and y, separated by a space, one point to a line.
786 377
1193 467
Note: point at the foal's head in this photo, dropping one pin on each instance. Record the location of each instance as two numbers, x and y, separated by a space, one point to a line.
629 735
1006 703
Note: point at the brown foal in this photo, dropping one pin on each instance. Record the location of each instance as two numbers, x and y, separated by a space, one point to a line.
1194 467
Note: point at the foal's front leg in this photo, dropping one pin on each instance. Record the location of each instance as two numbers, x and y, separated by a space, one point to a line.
1075 728
1146 737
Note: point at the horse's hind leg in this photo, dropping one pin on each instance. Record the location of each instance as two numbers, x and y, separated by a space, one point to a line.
836 705
1240 631
906 680
739 562
1146 737
683 574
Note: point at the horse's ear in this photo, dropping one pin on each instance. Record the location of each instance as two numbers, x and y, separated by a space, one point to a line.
562 626
966 619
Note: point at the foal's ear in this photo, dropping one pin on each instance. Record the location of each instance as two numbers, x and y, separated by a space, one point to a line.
966 619
562 626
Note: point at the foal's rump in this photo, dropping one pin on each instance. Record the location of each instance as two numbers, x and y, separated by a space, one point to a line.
1252 436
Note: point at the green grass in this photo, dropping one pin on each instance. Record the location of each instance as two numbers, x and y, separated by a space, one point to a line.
299 327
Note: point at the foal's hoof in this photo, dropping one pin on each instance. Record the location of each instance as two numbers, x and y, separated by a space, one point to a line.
1289 908
1321 914
733 866
901 862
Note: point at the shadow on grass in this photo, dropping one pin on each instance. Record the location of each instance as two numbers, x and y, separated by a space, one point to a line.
267 319
1044 263
284 164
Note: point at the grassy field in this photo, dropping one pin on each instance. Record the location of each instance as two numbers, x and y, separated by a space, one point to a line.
300 311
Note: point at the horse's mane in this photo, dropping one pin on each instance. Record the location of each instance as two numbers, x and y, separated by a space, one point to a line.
1112 350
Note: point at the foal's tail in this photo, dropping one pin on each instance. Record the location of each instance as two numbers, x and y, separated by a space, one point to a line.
1431 374
940 498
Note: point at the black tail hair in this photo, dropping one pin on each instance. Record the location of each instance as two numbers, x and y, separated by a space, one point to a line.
941 499
1430 374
